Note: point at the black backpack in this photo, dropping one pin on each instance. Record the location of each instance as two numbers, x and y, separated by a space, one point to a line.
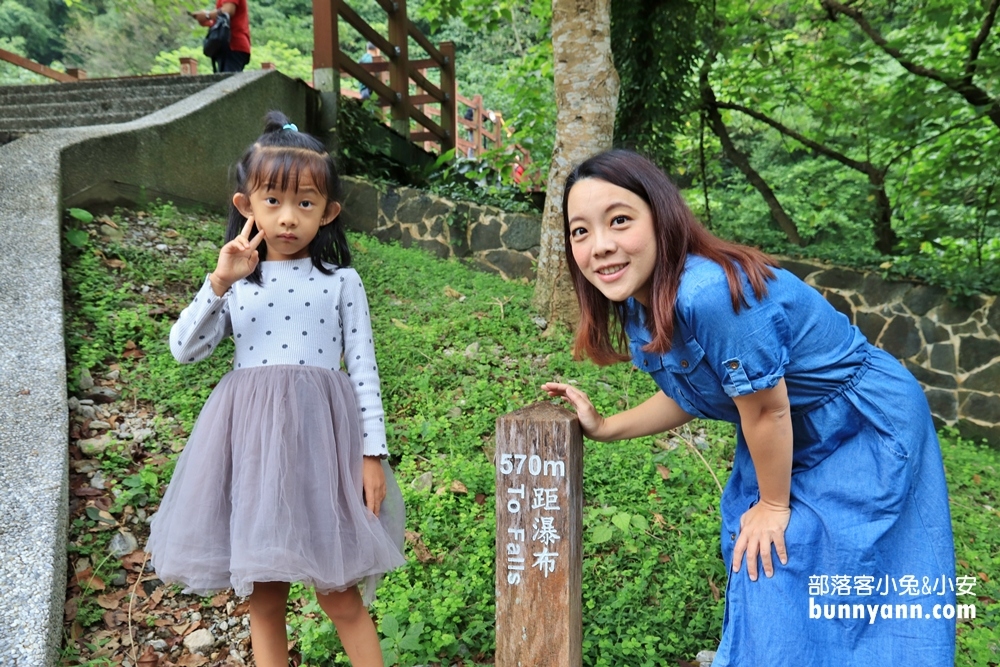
217 39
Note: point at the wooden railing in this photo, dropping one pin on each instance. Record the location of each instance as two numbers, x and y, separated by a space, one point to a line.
424 112
405 107
71 74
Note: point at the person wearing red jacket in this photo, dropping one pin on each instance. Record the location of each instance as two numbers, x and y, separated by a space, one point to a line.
236 57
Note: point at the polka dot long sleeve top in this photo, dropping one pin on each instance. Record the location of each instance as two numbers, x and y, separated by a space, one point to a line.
299 316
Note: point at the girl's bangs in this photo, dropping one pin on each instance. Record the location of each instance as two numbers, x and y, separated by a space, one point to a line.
275 168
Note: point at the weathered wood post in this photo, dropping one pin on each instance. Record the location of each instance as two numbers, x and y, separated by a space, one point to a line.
399 67
539 507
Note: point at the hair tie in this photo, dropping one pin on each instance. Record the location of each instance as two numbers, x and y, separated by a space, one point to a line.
290 126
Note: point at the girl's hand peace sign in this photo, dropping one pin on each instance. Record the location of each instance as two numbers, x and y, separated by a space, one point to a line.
237 259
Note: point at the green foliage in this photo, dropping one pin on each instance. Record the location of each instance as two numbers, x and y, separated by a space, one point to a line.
974 488
655 47
118 38
504 53
456 349
486 180
817 74
35 26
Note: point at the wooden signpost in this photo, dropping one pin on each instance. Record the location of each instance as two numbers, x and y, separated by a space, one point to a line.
539 509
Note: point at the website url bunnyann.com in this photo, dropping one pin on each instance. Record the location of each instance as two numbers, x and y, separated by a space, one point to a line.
888 612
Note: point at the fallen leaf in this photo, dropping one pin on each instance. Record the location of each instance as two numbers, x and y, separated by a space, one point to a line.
70 609
399 324
664 558
982 575
715 590
108 601
114 263
171 233
133 354
24 392
977 480
663 470
220 600
241 609
155 598
420 549
658 519
129 345
87 580
181 629
480 498
192 660
148 658
452 293
107 221
134 560
458 487
75 631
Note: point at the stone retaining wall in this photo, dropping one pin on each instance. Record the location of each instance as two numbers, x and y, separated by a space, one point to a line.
953 350
484 236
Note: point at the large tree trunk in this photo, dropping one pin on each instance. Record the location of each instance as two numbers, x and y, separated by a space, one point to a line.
586 85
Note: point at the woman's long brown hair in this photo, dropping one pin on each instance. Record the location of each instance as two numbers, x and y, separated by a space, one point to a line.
678 234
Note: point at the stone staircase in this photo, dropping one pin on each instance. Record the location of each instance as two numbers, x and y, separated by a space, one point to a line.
33 108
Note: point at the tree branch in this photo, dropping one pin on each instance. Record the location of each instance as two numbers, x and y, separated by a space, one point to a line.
929 139
855 15
882 215
740 159
864 167
972 93
977 43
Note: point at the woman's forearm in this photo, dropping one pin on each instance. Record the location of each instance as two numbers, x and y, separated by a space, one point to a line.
765 418
656 414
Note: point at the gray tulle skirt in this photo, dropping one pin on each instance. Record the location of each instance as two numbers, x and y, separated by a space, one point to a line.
269 488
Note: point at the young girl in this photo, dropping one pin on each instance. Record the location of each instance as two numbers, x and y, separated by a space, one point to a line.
837 474
284 477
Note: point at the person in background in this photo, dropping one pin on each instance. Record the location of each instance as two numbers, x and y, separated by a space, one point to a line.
236 57
371 52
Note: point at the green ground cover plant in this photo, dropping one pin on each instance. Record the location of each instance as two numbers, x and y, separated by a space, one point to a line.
457 348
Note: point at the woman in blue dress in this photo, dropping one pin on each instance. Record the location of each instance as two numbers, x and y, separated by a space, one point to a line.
837 491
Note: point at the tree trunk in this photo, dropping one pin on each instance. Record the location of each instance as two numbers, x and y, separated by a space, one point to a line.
586 86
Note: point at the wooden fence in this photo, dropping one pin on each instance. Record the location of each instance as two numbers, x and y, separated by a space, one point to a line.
71 74
427 113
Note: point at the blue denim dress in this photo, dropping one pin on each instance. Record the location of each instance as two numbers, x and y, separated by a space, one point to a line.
870 578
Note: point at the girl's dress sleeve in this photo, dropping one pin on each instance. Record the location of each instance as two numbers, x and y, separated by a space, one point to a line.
201 326
748 350
359 357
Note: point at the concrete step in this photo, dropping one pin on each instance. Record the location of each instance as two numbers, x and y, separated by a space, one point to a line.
14 114
97 86
50 95
28 109
22 126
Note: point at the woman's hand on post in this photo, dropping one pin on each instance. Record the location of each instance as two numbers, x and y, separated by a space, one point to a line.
237 259
761 526
590 421
373 483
